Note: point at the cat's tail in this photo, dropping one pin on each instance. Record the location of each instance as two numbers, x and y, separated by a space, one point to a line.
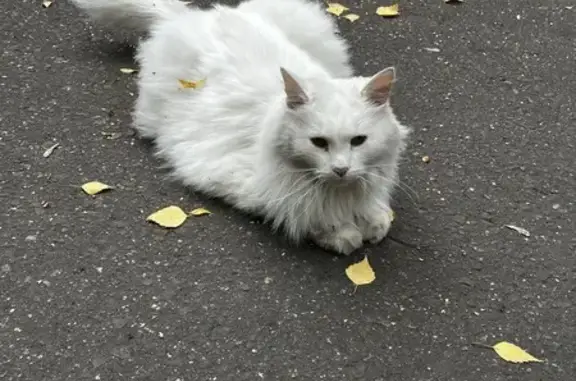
138 15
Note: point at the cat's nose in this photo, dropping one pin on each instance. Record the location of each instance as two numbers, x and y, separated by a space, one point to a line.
340 171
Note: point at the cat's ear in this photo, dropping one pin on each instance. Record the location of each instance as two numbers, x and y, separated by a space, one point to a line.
378 89
295 96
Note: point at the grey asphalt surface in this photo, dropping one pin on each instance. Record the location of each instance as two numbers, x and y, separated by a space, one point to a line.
90 291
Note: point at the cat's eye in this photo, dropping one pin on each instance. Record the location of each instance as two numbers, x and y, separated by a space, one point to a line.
320 142
358 140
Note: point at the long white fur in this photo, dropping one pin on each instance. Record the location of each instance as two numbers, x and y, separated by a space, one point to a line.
228 138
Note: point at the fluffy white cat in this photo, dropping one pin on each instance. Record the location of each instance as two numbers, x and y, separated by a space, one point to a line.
281 128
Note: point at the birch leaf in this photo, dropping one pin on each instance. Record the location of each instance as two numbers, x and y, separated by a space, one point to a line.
169 217
390 11
336 9
200 212
351 17
192 84
127 70
392 215
95 187
513 353
361 273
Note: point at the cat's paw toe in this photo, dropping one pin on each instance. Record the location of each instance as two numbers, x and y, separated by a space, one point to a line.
343 241
377 229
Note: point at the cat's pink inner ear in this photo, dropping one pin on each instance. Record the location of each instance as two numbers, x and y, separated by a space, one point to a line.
295 95
379 88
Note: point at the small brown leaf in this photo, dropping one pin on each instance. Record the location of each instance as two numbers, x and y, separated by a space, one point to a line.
111 135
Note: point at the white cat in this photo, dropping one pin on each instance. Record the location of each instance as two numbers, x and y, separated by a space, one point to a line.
280 129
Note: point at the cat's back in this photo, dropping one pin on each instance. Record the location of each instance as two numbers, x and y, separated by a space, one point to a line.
211 135
227 41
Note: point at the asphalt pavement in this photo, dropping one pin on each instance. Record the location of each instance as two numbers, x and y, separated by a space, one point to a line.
90 291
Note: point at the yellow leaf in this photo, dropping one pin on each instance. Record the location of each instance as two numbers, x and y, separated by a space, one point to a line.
192 84
513 353
336 9
351 17
47 3
392 215
95 187
390 11
361 273
200 212
169 217
127 70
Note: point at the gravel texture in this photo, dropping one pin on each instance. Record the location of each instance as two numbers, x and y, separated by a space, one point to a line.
90 291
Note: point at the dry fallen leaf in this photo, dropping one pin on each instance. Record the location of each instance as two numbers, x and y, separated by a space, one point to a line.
111 135
50 150
95 187
432 50
169 217
200 212
390 11
520 230
336 9
47 3
361 273
192 84
127 70
351 17
392 215
513 353
426 159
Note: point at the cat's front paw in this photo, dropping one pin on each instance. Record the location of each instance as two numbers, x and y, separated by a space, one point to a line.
343 241
375 229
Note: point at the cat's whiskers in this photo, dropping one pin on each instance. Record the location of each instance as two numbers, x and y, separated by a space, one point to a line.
300 199
290 190
408 191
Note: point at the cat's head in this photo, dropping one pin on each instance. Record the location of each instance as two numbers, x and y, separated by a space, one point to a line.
340 129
